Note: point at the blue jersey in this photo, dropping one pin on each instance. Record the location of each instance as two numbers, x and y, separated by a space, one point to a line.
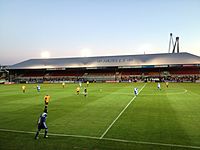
42 118
42 121
136 91
38 88
158 85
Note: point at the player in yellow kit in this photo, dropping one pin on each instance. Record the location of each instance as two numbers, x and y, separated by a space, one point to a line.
63 84
88 83
78 90
46 100
167 84
24 88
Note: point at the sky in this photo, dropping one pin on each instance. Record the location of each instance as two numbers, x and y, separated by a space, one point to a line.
81 28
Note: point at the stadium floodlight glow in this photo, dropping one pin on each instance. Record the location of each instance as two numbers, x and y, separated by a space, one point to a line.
86 52
45 54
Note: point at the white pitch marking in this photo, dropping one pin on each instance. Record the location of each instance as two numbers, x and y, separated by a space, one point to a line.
107 139
120 114
54 134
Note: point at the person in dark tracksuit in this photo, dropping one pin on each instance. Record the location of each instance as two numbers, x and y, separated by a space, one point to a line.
85 92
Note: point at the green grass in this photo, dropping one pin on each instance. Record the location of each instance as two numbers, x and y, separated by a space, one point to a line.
166 119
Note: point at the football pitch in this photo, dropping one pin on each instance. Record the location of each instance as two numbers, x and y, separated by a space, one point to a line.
110 117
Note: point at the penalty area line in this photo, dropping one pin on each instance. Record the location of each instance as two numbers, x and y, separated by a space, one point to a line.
107 139
105 132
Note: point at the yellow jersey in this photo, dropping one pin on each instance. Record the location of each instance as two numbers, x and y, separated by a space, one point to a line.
47 99
78 89
23 87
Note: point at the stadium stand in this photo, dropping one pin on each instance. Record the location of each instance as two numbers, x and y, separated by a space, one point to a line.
4 74
178 67
190 70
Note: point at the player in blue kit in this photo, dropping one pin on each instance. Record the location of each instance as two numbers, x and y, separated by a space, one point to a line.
159 87
42 124
135 91
38 88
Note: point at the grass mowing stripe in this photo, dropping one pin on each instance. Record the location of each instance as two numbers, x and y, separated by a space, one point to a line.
108 139
174 93
153 143
120 113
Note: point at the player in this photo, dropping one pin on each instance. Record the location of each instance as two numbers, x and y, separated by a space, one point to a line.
159 87
63 84
80 84
46 100
23 88
135 91
42 124
38 88
167 84
85 91
88 83
77 90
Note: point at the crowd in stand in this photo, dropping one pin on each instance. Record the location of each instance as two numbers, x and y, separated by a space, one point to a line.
188 78
190 74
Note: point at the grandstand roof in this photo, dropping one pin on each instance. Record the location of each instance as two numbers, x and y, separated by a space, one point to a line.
110 61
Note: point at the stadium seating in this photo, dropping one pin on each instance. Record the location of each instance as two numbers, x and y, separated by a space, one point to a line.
184 71
177 74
